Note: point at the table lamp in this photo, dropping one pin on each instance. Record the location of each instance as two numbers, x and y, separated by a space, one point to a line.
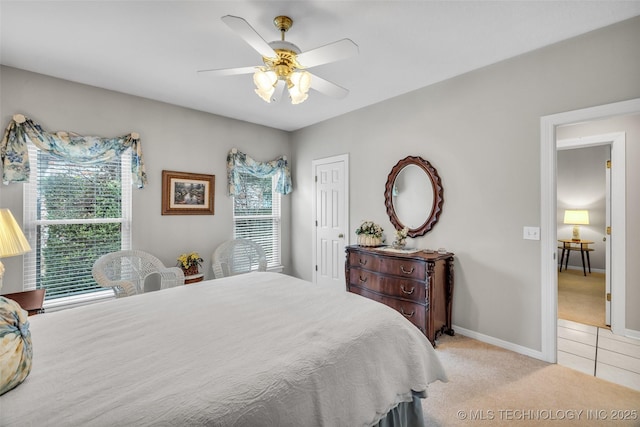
12 240
576 218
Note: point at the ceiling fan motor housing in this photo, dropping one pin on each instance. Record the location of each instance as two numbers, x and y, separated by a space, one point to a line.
286 62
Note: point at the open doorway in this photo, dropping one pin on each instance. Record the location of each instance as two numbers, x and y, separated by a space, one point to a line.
549 237
583 206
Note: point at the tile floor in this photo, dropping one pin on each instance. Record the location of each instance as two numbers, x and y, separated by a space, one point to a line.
596 351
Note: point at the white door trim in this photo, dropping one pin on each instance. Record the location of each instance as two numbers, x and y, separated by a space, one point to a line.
314 165
607 247
548 214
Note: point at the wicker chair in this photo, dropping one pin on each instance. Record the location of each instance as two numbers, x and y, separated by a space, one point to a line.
125 272
236 257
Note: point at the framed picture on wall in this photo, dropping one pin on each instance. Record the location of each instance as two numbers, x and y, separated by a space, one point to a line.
186 193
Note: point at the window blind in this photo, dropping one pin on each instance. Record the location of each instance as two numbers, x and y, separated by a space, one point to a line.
74 213
256 215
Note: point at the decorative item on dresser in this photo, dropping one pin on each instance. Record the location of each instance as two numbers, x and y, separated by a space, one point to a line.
417 284
369 234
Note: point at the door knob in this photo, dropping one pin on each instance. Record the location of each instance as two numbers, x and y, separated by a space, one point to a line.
340 236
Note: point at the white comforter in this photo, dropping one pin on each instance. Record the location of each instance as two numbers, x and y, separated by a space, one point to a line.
261 349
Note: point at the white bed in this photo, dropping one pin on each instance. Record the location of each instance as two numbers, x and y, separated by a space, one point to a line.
260 349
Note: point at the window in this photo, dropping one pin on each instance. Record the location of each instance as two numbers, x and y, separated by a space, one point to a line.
256 215
74 213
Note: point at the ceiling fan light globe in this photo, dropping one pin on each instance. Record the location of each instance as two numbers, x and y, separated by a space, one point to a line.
299 100
264 80
301 81
265 94
296 96
294 92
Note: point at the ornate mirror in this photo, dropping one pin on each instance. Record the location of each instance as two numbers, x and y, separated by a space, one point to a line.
413 195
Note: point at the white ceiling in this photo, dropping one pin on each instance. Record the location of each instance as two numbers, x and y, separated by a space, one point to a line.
152 49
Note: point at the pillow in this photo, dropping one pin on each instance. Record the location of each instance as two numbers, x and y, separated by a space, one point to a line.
16 350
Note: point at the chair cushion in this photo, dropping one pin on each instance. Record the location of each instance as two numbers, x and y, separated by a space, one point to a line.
16 350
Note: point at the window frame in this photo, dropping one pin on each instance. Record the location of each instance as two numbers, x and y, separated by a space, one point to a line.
31 224
274 263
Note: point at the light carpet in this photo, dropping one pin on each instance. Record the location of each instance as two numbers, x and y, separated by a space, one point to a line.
582 298
491 386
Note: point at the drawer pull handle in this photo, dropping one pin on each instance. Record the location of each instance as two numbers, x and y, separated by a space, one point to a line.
407 314
362 280
362 262
404 291
405 271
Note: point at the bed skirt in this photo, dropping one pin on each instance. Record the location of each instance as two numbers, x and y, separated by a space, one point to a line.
406 414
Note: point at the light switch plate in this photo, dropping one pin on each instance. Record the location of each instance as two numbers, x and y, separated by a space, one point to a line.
531 233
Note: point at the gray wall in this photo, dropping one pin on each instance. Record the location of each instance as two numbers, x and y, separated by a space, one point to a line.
481 131
581 185
173 138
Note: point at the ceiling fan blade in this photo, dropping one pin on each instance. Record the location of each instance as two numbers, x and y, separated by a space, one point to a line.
328 88
229 71
336 51
249 35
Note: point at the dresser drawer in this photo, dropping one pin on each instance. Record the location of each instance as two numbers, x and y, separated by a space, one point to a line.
369 262
413 312
403 288
408 268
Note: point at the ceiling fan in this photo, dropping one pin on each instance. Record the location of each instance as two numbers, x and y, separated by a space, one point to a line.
285 64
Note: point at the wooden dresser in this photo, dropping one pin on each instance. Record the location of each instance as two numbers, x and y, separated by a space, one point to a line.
419 285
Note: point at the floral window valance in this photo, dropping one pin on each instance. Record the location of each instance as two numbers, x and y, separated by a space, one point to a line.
239 163
64 145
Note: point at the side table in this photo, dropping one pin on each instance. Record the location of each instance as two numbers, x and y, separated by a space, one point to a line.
193 279
32 300
575 245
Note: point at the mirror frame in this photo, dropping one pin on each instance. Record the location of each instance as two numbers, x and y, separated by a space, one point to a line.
438 195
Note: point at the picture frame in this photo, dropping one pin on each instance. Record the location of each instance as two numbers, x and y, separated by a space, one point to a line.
185 193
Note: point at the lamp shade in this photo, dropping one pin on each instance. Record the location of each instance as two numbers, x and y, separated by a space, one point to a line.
576 217
12 240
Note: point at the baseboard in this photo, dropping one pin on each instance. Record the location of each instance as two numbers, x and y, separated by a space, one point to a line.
630 333
499 343
579 268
